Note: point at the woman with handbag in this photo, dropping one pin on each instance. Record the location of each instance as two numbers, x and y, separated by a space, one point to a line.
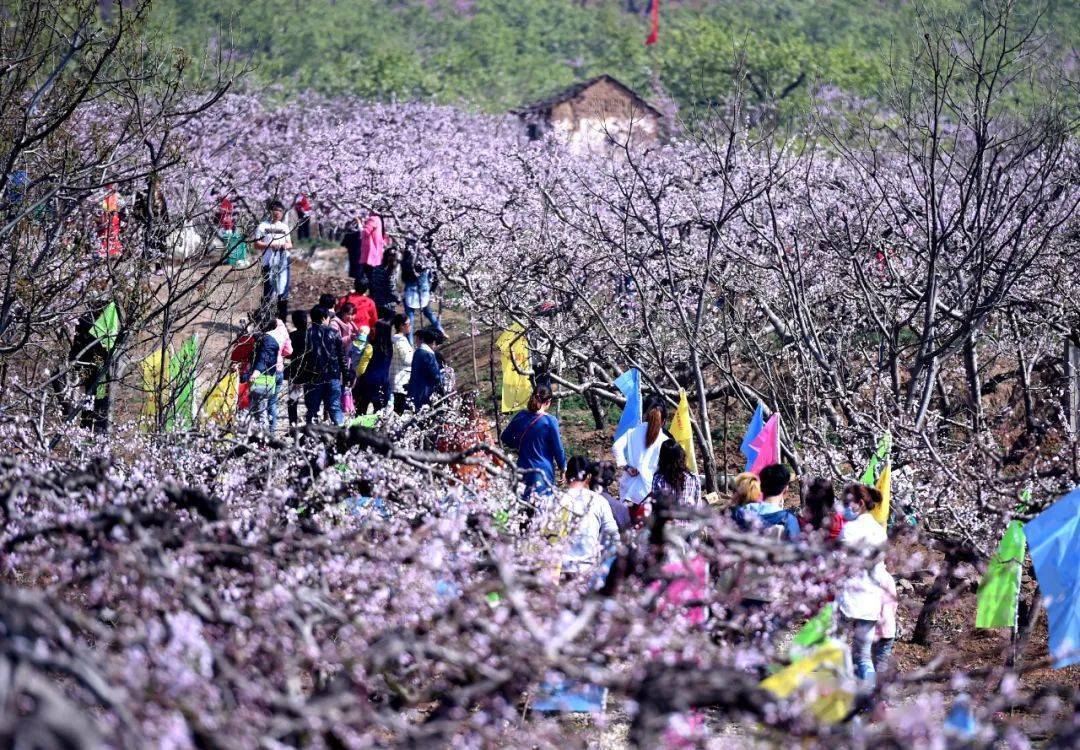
534 434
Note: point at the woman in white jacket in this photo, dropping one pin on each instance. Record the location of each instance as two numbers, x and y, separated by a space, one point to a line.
401 360
861 594
637 453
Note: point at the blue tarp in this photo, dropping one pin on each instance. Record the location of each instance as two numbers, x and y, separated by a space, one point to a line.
1054 542
569 696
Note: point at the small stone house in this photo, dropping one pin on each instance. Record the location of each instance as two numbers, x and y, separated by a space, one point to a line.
592 116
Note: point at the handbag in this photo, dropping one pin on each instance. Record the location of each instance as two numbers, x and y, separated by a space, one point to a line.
347 404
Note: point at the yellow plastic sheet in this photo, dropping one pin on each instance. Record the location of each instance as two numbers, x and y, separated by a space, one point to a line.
823 668
516 387
155 386
221 402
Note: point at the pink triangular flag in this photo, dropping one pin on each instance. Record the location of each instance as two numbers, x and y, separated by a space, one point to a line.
767 445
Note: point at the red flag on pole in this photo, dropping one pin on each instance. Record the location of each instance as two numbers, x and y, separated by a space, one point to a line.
654 32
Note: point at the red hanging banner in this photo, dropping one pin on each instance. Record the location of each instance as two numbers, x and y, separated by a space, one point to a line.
654 32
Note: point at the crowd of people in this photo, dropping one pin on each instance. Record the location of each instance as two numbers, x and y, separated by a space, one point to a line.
359 351
651 465
353 352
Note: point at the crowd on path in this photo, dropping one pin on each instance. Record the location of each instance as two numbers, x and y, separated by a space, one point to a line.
355 351
594 511
358 351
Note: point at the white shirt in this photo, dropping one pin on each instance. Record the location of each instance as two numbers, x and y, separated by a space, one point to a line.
400 363
630 450
585 517
275 233
860 595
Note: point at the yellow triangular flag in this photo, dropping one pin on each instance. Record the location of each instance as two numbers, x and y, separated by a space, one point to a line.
682 431
884 486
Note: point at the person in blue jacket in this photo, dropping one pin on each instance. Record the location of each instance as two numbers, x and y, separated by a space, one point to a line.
426 376
534 434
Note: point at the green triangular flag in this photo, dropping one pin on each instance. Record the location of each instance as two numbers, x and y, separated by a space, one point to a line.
813 632
880 455
364 420
107 327
1000 587
182 378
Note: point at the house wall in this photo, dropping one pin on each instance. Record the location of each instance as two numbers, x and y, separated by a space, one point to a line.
600 114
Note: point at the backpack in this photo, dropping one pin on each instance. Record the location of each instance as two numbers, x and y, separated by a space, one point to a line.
784 522
321 359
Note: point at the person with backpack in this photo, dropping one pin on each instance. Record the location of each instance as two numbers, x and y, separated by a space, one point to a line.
584 518
419 282
760 509
263 375
534 434
767 512
328 368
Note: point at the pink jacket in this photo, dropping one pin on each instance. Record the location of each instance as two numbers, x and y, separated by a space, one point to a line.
373 241
346 329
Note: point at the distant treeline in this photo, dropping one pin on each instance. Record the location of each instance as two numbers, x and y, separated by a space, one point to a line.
495 54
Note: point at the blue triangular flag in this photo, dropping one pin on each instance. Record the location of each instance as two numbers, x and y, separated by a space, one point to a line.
1053 539
757 422
630 385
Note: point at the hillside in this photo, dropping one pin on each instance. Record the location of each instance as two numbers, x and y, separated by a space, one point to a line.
495 54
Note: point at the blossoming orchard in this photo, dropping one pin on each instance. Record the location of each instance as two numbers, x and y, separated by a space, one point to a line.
334 423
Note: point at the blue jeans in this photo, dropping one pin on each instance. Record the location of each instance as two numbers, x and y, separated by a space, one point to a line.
880 654
261 398
410 313
327 395
862 649
272 401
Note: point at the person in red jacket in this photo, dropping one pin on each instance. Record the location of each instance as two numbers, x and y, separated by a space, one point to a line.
819 508
302 206
366 315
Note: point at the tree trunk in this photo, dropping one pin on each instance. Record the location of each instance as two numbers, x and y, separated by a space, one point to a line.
494 391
